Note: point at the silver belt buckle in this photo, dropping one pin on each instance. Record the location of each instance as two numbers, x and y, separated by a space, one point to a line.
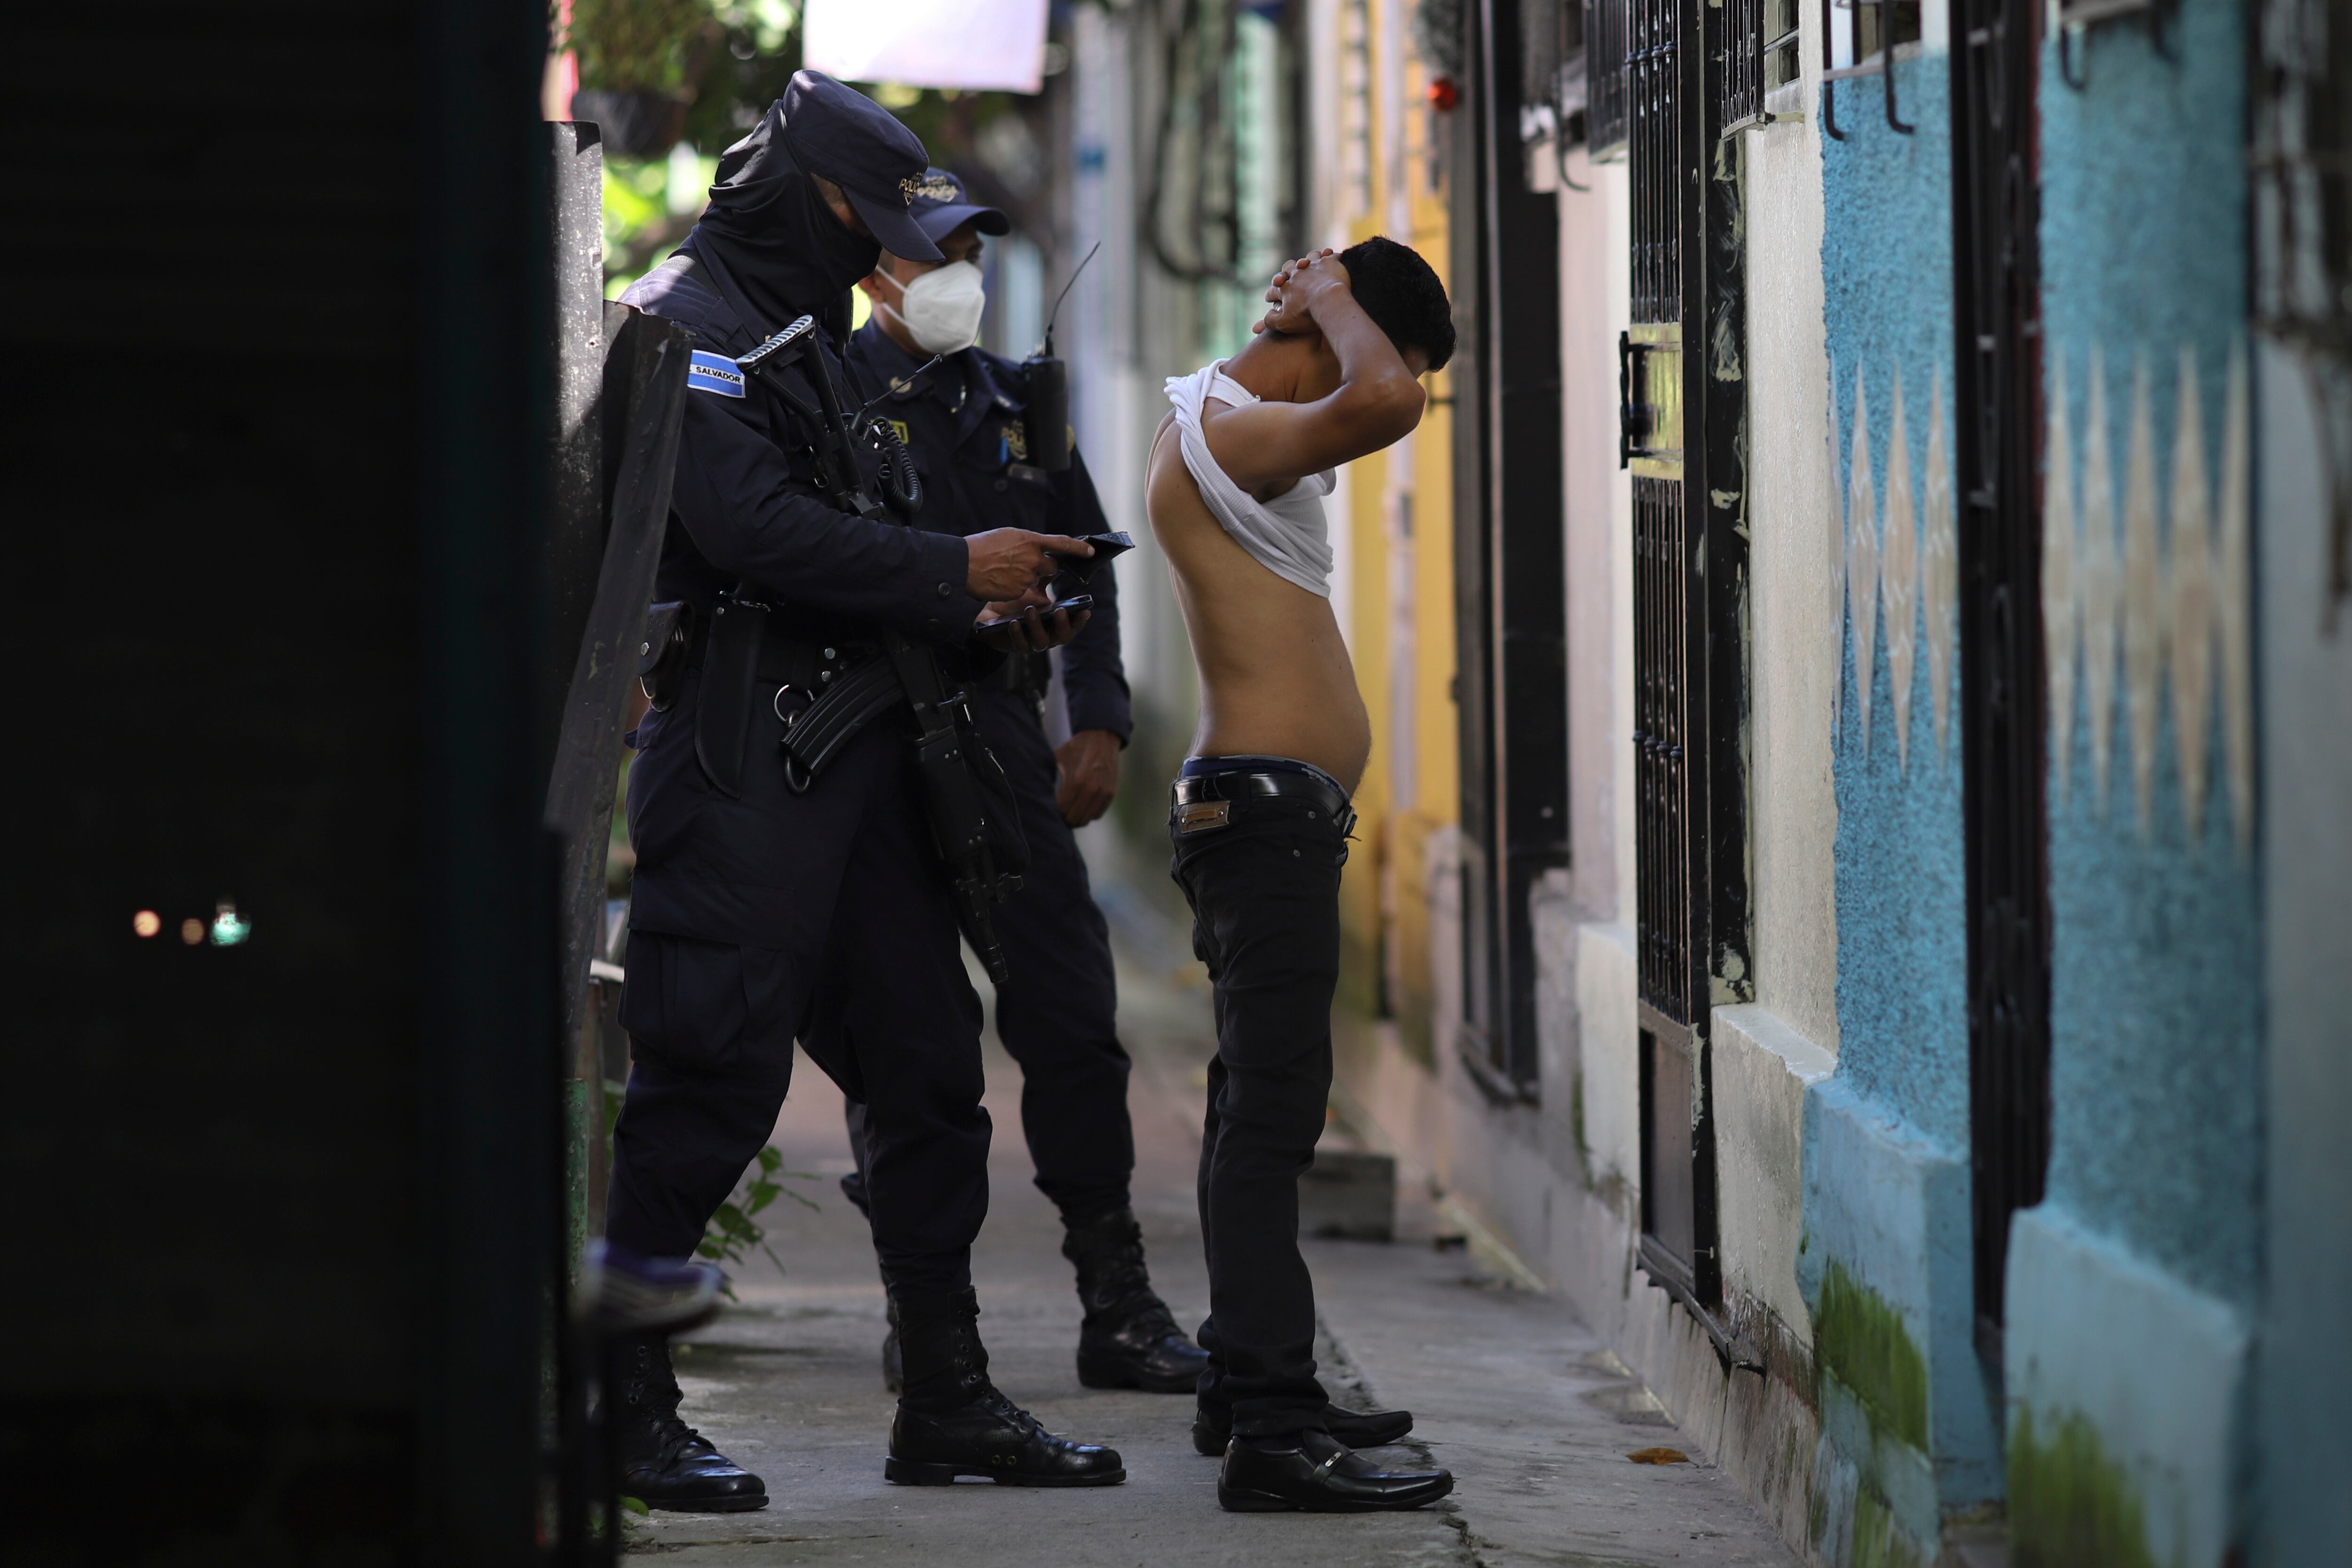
1202 816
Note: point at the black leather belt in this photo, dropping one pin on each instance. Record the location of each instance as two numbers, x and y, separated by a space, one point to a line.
1198 804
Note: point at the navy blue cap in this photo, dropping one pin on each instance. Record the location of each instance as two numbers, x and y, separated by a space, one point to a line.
942 206
854 141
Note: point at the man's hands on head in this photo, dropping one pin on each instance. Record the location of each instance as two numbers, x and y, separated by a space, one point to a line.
1006 563
1089 764
1029 623
1293 309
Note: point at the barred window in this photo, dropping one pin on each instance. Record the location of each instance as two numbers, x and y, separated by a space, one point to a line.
1606 121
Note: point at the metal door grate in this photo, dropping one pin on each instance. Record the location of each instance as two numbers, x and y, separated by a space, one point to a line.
1662 760
1741 101
1604 75
2002 669
1656 109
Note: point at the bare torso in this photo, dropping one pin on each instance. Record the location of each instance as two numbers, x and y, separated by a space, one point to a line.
1276 679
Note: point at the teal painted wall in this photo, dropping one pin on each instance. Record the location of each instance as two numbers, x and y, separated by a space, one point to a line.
2155 953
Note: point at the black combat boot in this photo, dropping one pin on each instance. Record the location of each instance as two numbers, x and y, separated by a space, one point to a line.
1130 1338
663 1461
952 1421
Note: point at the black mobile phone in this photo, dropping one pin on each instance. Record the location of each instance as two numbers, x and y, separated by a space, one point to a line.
1075 605
1079 568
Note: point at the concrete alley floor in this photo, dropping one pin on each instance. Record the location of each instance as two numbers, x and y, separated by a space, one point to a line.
1531 1413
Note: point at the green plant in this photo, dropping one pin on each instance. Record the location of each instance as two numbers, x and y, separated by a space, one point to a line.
735 1228
638 46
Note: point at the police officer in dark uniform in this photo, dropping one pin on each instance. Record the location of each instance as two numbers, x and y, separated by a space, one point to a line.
963 418
776 897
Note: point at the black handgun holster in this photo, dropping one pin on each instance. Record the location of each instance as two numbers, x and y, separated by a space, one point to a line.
730 672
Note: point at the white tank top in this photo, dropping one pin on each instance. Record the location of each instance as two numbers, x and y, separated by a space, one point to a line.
1286 535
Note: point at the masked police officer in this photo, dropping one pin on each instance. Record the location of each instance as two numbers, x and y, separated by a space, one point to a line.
773 889
965 421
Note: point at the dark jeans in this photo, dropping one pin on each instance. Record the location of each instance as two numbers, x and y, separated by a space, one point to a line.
1265 890
1057 1014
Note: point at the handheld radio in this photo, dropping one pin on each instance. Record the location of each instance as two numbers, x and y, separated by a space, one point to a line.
1049 392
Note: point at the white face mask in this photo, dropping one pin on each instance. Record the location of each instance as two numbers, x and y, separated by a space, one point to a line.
940 308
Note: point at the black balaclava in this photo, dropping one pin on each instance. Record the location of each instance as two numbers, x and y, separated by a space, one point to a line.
769 239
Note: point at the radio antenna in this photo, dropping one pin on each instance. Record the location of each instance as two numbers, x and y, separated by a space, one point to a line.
1053 315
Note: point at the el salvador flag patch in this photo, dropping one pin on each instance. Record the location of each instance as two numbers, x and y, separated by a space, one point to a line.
715 373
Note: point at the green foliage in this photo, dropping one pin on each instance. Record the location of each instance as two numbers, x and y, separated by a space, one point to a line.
637 46
735 1229
2070 1505
1859 1338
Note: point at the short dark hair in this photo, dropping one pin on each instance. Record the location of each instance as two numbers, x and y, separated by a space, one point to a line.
1400 293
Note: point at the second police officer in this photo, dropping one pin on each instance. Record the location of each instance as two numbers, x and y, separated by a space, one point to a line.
803 893
965 420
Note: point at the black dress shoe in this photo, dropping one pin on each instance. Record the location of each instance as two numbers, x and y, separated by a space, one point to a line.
953 1422
1320 1475
1130 1338
662 1462
1213 1428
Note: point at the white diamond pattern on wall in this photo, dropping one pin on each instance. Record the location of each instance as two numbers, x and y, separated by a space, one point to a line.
1899 575
2164 609
1861 558
2233 601
2141 600
1939 564
2099 575
2060 552
2144 602
2192 599
1835 534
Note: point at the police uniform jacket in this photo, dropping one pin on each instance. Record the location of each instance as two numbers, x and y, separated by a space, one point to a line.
746 509
965 423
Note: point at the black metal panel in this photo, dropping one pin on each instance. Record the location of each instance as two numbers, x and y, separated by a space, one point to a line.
1665 751
310 482
1655 110
1685 420
1509 580
2002 725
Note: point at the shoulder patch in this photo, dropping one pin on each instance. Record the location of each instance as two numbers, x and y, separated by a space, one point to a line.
714 373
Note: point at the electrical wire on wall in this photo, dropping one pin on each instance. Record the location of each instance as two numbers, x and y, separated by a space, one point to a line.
1191 213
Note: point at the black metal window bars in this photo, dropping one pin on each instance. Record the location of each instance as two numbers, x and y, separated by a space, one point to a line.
1880 26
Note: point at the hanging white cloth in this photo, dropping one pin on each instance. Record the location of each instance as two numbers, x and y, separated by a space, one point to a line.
1286 535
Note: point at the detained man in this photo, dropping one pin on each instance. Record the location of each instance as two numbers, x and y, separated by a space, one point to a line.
1260 820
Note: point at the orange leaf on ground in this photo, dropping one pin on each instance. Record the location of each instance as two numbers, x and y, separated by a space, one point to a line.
1659 1457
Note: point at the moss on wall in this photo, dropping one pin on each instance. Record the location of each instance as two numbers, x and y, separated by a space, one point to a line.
1878 1541
2070 1505
1859 1338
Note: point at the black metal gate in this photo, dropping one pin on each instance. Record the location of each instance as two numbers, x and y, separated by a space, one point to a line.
1682 415
1509 580
2002 680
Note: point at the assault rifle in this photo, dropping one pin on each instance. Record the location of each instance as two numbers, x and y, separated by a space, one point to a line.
974 821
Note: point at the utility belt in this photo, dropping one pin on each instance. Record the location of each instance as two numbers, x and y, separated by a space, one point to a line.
1205 802
741 653
1026 675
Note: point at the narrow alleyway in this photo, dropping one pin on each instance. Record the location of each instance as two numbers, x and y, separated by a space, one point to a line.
1531 1413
